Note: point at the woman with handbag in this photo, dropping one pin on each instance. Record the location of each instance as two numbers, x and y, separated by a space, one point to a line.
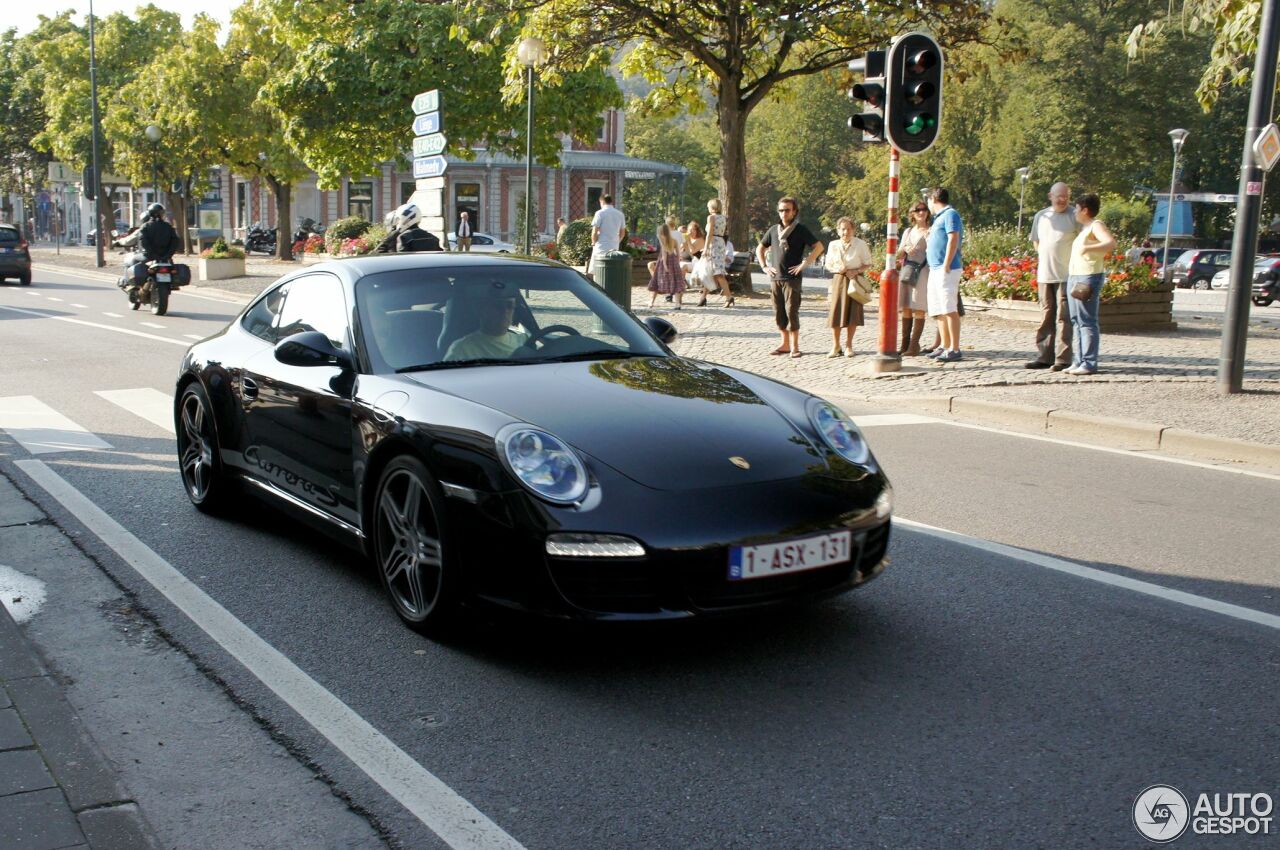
847 258
913 279
1085 276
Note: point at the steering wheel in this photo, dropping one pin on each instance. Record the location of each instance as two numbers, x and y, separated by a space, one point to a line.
549 329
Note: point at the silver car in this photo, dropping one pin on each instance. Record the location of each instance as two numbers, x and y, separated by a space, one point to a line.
483 243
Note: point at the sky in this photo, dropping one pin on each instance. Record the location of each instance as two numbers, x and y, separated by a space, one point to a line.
25 15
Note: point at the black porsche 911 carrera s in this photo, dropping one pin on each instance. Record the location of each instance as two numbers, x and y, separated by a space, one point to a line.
495 430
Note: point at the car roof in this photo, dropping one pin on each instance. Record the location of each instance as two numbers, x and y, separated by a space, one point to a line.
7 226
356 267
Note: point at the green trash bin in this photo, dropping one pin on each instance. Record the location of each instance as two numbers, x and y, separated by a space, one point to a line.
613 275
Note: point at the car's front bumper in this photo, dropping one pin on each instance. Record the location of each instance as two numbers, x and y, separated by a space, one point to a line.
687 537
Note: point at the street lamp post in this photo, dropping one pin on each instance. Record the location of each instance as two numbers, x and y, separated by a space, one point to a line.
154 135
532 52
1178 136
1022 173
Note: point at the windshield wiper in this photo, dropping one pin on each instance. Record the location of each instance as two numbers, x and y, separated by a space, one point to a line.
599 354
475 361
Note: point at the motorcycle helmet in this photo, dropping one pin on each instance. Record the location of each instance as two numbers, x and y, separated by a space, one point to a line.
407 216
155 211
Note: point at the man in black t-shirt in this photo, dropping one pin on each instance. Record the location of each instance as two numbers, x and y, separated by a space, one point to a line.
784 252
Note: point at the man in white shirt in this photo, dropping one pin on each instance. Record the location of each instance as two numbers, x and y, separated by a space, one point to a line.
607 228
495 339
464 232
1052 231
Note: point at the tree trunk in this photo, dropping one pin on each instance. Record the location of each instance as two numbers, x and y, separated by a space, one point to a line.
732 120
180 220
284 215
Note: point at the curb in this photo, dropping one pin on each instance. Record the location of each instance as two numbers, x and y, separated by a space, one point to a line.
1086 428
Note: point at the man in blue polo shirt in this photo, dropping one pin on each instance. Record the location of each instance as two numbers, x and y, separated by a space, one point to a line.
945 264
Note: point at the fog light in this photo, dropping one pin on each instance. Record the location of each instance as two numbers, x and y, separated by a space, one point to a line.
593 546
884 503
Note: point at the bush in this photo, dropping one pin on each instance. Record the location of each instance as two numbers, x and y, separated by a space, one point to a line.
219 250
1125 218
575 244
992 244
343 229
314 244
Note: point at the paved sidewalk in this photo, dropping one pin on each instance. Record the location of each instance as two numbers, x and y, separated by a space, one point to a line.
56 788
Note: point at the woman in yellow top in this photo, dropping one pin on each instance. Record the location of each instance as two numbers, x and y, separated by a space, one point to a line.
1085 275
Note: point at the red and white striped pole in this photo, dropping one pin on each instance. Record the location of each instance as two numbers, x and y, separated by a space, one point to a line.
888 359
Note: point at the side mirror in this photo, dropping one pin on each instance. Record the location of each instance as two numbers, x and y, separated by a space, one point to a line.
662 329
311 348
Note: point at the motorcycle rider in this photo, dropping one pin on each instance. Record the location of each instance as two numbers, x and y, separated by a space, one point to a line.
406 235
159 241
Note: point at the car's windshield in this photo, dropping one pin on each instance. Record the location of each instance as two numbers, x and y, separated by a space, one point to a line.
509 314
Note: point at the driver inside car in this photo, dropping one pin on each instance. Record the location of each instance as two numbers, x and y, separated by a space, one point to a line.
495 338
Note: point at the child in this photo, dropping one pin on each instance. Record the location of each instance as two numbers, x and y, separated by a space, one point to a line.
667 276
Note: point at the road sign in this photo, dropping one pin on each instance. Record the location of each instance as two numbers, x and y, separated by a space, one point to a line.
1198 197
425 125
60 172
427 101
1267 147
427 184
429 166
429 145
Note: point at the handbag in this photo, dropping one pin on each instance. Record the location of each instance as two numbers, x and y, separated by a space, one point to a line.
859 288
1081 291
910 273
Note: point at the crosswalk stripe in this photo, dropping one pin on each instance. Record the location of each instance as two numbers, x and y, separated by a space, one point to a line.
41 430
151 404
874 419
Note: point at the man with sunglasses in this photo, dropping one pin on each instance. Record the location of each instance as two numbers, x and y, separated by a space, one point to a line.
1052 231
784 252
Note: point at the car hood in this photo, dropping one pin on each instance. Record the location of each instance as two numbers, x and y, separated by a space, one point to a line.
665 422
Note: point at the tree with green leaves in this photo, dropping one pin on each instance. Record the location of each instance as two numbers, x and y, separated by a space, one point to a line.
738 51
365 61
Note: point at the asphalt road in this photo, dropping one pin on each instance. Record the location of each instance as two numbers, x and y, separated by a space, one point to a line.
967 698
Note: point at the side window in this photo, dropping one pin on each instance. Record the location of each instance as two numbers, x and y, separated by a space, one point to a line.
315 303
482 240
261 317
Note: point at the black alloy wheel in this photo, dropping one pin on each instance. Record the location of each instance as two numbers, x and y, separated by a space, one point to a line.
409 547
200 464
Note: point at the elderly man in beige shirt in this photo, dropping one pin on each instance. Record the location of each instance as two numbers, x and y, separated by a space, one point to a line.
1052 231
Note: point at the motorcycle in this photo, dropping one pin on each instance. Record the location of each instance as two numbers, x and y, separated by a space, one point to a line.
307 228
151 282
259 239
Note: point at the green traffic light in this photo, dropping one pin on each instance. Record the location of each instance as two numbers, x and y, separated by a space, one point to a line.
918 123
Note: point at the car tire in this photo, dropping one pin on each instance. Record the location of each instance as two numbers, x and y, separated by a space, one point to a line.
199 455
1201 283
24 279
160 299
410 548
1262 302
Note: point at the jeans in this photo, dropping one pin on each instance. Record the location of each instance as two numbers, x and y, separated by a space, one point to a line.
1084 320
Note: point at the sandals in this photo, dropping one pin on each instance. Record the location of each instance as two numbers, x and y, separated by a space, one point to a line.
782 349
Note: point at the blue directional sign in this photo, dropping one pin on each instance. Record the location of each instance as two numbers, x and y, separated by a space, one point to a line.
425 125
429 166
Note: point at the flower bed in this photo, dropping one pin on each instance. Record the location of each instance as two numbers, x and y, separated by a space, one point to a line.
1132 296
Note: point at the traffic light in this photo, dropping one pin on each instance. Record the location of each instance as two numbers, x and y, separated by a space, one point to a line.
88 185
871 92
913 104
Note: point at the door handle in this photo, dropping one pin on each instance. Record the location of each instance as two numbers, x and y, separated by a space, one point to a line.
249 387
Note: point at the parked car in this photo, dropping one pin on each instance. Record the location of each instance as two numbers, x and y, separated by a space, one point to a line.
373 398
15 257
1195 268
483 243
1266 270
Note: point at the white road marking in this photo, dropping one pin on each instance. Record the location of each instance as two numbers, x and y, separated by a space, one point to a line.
34 293
22 594
151 404
113 315
128 331
151 325
1192 600
51 298
873 419
196 337
81 306
459 824
40 429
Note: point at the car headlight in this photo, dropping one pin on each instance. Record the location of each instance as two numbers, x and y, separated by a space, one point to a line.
543 463
839 432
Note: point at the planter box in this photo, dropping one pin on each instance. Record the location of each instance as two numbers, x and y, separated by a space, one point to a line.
1147 311
312 259
221 269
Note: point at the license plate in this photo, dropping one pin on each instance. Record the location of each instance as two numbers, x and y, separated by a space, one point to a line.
164 278
789 556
